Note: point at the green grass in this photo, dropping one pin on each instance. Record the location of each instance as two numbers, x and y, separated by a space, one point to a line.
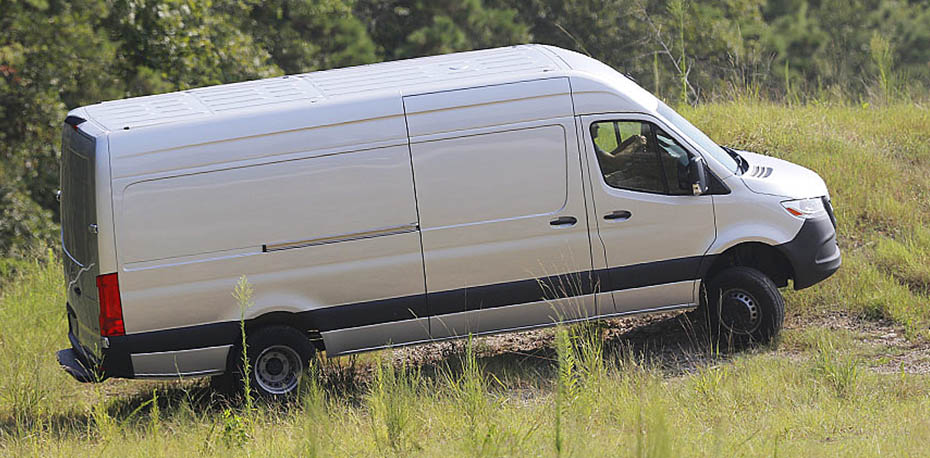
584 391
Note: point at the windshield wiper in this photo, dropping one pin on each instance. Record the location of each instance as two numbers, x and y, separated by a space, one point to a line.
742 163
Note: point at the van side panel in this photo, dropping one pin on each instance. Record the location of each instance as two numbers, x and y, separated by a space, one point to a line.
269 204
233 136
334 278
311 230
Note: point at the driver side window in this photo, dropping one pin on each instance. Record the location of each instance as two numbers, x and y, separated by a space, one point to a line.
675 161
638 156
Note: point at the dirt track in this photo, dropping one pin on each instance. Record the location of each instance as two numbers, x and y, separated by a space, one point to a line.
675 343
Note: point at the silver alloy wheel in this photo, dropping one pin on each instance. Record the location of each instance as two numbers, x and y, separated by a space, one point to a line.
739 312
277 369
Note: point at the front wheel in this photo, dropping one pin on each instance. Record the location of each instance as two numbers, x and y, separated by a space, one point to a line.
744 307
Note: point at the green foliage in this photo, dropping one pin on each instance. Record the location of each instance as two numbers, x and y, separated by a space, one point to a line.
883 57
679 9
653 439
303 36
25 227
840 372
470 390
412 28
205 46
567 387
235 432
316 413
30 298
51 57
390 399
56 55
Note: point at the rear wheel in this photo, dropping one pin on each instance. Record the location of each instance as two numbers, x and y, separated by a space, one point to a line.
743 306
278 357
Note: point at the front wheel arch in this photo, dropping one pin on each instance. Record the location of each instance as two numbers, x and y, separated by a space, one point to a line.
760 256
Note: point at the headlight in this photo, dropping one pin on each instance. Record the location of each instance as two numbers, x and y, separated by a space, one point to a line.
805 208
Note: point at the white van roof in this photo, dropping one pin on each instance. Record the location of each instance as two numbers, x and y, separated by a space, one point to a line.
225 112
411 76
405 76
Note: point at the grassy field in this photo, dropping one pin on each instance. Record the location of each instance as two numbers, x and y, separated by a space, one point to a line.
850 375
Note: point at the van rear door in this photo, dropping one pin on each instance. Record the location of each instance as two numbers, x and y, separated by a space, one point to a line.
79 237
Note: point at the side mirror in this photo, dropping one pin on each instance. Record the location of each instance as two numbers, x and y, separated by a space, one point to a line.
697 175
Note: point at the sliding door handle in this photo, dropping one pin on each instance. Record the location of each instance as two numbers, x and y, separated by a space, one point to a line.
618 215
564 221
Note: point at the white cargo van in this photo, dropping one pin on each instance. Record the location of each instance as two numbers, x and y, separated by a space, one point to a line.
408 202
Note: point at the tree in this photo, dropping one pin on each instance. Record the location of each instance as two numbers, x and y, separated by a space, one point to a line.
411 28
51 56
179 44
307 35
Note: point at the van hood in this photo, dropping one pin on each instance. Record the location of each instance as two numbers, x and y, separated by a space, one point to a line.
768 175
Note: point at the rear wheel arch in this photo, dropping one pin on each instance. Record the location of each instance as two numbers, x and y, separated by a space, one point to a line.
276 318
299 321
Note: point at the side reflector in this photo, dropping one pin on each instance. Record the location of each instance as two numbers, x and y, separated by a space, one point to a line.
111 308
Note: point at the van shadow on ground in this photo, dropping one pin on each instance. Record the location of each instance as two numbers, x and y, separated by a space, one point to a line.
672 343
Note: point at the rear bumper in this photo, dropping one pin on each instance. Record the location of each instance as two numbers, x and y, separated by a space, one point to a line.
80 363
814 253
168 354
72 364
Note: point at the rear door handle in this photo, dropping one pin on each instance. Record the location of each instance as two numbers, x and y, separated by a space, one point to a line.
618 215
564 221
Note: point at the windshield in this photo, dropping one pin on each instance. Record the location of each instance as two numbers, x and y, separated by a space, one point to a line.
698 137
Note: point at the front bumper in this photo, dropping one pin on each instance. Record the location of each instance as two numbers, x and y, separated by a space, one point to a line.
814 253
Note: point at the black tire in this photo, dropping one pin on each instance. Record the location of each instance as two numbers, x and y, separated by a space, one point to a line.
278 358
743 306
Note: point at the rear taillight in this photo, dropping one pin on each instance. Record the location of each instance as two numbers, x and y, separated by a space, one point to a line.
111 309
